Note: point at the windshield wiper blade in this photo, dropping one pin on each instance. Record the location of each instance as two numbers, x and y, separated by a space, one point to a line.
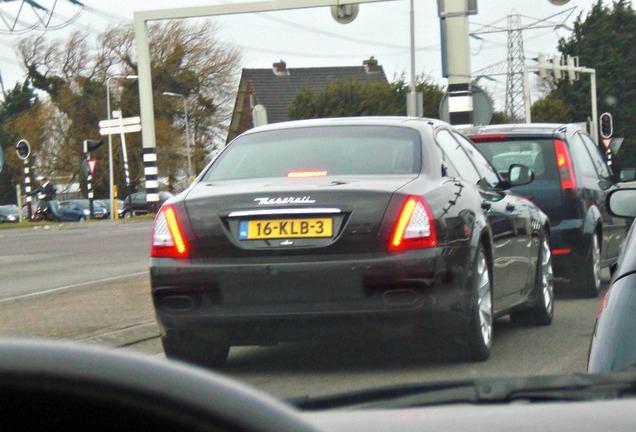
482 390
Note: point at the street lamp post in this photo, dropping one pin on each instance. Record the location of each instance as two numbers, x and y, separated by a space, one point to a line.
412 101
187 129
111 181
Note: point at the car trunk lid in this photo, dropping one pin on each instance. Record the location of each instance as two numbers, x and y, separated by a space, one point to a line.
287 216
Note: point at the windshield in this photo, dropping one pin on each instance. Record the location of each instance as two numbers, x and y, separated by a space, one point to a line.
320 151
536 154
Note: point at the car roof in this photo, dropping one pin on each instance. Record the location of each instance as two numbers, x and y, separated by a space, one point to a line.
522 129
350 121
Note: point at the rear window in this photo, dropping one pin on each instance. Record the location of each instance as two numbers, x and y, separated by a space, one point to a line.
320 151
537 154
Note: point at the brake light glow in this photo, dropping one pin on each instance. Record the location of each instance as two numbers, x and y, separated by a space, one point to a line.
489 137
561 251
167 239
564 165
300 174
415 227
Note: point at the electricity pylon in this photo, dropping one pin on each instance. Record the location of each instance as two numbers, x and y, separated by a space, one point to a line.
516 59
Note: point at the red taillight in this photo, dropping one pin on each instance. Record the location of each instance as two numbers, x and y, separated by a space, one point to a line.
167 237
415 228
564 165
489 137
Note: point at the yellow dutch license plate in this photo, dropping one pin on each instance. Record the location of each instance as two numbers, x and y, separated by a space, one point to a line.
285 228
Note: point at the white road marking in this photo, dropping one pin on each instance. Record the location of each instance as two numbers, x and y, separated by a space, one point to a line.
67 287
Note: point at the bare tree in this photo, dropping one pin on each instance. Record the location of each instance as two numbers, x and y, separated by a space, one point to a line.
187 58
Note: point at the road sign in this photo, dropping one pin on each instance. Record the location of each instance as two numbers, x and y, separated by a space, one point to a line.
607 142
617 142
90 163
119 126
119 129
118 122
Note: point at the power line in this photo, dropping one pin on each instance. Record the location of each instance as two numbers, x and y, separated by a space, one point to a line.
33 16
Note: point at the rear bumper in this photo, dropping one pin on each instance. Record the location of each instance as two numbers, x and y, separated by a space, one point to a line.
265 302
570 245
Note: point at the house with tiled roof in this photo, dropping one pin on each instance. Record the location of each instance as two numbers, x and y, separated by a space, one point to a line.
265 95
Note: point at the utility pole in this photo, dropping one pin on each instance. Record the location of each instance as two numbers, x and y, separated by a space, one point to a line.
141 22
456 57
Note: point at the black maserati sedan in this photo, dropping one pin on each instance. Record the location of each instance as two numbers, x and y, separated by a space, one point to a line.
363 228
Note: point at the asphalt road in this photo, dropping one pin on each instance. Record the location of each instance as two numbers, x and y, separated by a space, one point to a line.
40 258
90 283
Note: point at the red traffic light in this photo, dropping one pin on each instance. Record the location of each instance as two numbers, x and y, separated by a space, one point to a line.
607 125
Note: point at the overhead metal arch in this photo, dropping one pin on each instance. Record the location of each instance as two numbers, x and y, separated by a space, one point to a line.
141 20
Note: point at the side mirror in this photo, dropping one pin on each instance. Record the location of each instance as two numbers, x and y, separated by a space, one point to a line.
627 175
519 175
622 202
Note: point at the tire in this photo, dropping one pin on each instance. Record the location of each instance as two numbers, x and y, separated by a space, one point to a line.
588 283
480 327
541 310
183 346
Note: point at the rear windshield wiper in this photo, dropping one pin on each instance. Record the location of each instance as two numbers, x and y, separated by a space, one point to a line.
483 390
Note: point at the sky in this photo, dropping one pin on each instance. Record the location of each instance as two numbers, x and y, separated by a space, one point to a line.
311 37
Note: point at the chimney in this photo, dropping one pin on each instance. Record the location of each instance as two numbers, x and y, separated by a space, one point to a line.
280 68
371 65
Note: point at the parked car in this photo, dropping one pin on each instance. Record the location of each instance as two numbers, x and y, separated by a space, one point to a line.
318 228
78 210
139 203
572 180
613 345
106 203
9 213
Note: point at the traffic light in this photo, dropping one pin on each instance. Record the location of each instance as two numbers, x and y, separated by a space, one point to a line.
23 149
543 73
91 145
556 67
607 125
572 64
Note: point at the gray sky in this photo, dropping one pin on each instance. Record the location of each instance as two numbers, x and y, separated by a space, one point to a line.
312 38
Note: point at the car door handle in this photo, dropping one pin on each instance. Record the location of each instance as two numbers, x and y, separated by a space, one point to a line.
486 205
510 208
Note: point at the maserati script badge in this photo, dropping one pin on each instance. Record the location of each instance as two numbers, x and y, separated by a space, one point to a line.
284 200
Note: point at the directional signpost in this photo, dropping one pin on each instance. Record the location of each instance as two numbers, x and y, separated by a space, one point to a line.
121 125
